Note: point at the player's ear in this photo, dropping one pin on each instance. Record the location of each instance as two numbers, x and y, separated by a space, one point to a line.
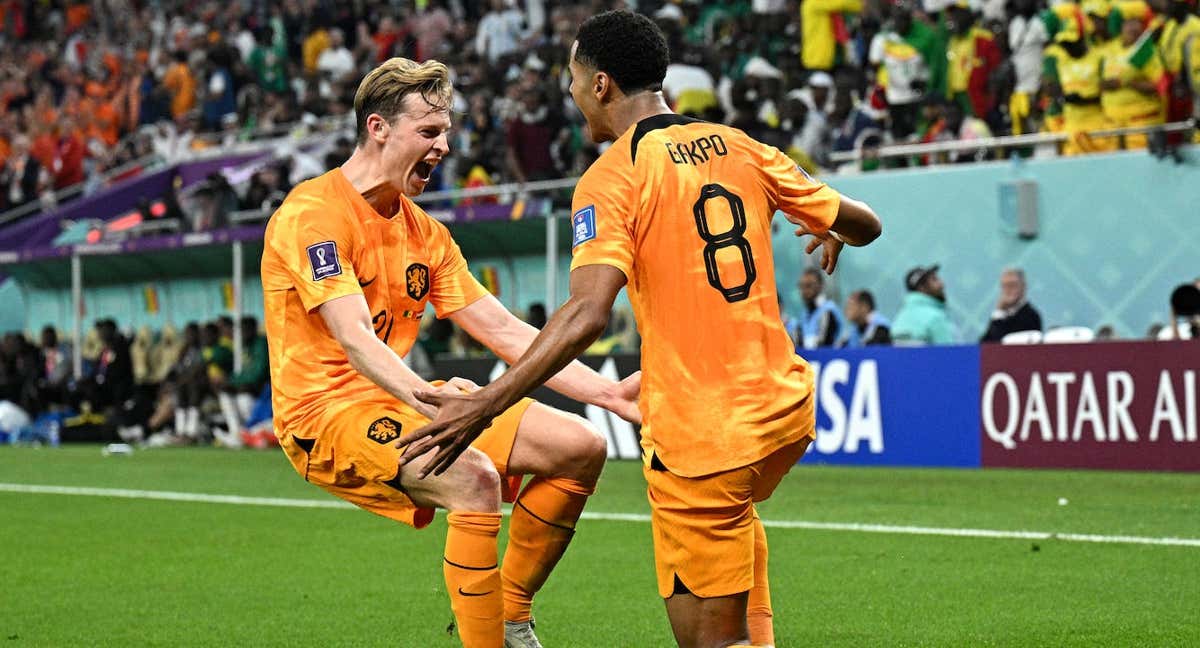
602 86
377 127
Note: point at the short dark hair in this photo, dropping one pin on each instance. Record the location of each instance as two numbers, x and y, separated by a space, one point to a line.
627 46
1185 300
814 272
866 298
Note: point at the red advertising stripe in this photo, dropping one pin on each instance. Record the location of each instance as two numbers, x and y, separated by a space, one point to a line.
1117 405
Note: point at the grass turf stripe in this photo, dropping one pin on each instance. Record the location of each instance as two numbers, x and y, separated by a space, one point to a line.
851 527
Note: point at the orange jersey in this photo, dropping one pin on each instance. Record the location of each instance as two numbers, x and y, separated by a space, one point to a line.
684 209
326 241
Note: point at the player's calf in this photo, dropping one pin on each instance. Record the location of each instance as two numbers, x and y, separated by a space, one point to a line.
470 491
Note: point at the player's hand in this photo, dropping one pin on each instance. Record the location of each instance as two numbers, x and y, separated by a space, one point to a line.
461 418
831 244
624 398
456 385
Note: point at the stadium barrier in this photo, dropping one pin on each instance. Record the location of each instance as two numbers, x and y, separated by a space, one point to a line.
1112 405
1002 142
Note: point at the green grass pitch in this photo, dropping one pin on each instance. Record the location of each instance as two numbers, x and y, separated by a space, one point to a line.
101 571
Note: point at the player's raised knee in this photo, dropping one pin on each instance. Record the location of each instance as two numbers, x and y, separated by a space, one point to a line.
586 451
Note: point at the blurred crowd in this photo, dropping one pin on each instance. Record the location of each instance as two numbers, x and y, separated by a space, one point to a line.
172 387
924 319
164 388
89 86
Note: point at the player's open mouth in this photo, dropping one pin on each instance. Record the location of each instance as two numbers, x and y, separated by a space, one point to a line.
424 170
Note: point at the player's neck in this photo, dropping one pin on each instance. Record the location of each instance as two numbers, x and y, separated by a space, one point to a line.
630 110
366 176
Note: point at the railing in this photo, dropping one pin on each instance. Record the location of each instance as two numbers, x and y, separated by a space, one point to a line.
1004 141
244 216
539 186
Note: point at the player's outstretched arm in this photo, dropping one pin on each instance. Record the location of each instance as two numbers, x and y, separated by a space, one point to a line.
461 417
349 320
856 223
488 321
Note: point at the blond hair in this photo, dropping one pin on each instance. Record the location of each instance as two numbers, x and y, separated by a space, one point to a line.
383 90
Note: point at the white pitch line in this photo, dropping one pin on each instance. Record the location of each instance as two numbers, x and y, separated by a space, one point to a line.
852 527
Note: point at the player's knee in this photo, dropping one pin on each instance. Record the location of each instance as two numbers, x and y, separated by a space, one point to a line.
588 451
476 484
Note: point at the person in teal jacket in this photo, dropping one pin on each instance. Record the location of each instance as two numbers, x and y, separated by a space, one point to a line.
922 318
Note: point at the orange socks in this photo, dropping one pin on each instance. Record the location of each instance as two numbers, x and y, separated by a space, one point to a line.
473 580
758 607
542 524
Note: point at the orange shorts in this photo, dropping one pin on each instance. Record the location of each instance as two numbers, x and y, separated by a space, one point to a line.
351 454
703 527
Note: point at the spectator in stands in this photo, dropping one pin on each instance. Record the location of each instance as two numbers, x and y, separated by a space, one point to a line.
191 384
432 27
1027 38
181 84
822 322
237 395
69 154
335 63
220 102
56 369
110 382
22 178
903 51
865 326
1072 80
218 354
268 61
529 135
1013 311
863 125
824 30
20 367
1132 74
268 188
315 43
1185 312
948 123
973 56
1180 46
922 318
688 87
808 131
500 32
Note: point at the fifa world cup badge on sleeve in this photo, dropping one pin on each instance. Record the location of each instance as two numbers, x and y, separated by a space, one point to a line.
583 223
324 260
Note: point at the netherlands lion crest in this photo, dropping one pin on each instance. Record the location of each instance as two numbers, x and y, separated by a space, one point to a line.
416 280
384 430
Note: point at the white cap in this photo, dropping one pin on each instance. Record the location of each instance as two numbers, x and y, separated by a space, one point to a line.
669 12
757 66
820 80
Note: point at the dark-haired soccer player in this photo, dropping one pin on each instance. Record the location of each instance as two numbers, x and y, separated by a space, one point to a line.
680 211
349 265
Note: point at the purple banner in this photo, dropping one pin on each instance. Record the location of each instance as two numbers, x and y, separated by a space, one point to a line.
41 229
